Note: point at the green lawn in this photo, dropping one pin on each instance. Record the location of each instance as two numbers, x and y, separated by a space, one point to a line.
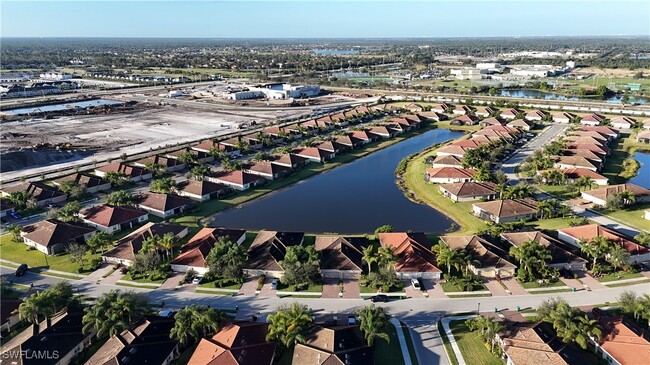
449 287
369 289
551 291
561 191
18 252
550 224
212 284
450 352
535 284
471 345
632 216
314 288
128 277
620 275
613 164
388 353
629 283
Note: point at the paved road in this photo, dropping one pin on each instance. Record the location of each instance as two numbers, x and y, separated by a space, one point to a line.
508 166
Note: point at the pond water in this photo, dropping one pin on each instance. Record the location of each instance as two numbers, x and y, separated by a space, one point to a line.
355 198
643 176
65 106
536 94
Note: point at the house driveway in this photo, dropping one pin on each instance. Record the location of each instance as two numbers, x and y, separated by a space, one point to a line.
250 286
113 278
572 283
331 288
98 274
266 289
433 288
410 291
513 285
351 288
589 280
494 287
172 281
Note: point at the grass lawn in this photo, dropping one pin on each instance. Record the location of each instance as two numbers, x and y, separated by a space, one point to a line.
619 275
185 356
550 291
550 224
535 284
369 289
471 345
613 164
560 191
388 353
212 284
430 194
632 216
314 288
448 349
409 344
128 277
18 252
629 283
450 287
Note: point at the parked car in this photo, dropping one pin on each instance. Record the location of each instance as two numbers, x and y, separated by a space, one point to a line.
15 215
379 298
197 280
22 268
567 274
415 283
274 284
352 320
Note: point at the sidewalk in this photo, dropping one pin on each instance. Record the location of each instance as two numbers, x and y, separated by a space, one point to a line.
402 341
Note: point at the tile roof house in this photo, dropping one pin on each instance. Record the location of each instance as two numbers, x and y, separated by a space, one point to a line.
441 108
563 256
238 343
347 141
576 162
622 122
509 113
453 150
596 148
593 134
200 156
52 236
341 257
201 190
381 131
469 191
267 250
574 235
289 160
91 183
466 119
508 210
490 121
563 117
461 110
207 145
413 253
109 219
314 154
484 111
145 342
432 116
592 119
363 135
579 139
267 170
168 164
589 155
61 334
447 161
338 345
440 175
600 195
195 251
623 342
535 115
643 136
491 259
612 133
42 193
9 316
331 146
573 174
127 247
164 205
470 143
238 179
522 124
134 173
526 343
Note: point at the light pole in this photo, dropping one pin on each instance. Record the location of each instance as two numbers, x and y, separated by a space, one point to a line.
478 308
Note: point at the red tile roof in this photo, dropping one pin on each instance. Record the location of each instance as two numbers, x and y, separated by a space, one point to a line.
413 251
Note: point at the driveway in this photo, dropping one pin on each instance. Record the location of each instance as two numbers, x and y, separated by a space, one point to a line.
331 288
513 285
172 281
589 280
433 288
494 287
266 289
426 340
572 283
250 286
98 274
113 278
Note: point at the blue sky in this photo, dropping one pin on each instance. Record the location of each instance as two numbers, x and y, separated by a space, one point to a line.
322 19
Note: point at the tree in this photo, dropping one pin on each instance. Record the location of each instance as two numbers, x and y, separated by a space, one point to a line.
22 200
384 229
519 191
201 170
620 199
77 252
195 322
532 257
146 263
571 324
187 158
369 257
156 168
373 322
596 248
15 230
488 329
226 260
99 241
289 324
483 174
69 212
167 243
72 189
554 177
46 303
117 179
260 156
642 238
584 182
114 312
164 185
301 266
447 256
385 256
119 198
618 257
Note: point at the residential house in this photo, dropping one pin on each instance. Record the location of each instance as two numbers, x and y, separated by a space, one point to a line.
432 116
462 110
592 119
294 130
238 343
9 316
469 191
510 113
414 108
594 157
625 123
289 160
470 143
602 137
168 164
490 121
347 141
52 236
441 108
612 133
268 250
331 146
199 156
147 341
643 136
584 140
130 245
6 208
484 111
91 183
201 190
447 161
488 259
61 335
164 205
574 174
593 147
340 120
42 193
563 117
414 258
576 162
466 119
195 252
252 141
208 145
440 175
110 219
575 235
523 124
453 150
646 124
275 134
267 170
599 196
133 173
341 257
623 343
314 154
535 115
238 179
562 256
338 345
381 131
508 210
363 135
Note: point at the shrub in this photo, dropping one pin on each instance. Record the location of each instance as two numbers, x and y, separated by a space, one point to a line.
260 282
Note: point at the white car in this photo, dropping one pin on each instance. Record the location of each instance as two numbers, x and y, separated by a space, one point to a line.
415 283
274 284
197 280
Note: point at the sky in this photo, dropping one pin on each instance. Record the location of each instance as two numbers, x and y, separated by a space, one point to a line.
322 19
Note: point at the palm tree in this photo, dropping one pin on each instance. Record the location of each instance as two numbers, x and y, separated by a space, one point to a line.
628 197
618 257
15 230
29 310
588 327
544 209
373 323
584 182
167 243
386 256
195 322
596 248
119 198
369 257
289 324
113 312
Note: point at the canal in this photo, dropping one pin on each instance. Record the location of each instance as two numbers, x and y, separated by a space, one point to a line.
355 198
642 178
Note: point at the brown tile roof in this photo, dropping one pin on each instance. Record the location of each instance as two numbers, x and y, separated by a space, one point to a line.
589 155
242 343
330 146
269 248
338 345
623 342
491 121
107 215
580 140
588 146
559 251
52 232
592 117
362 135
535 343
481 250
450 172
288 159
607 191
266 167
467 118
578 172
563 115
38 190
83 179
590 231
202 187
600 129
470 188
130 245
160 160
577 161
196 250
520 123
341 253
536 113
448 160
128 170
593 134
512 111
164 202
508 207
413 251
470 143
236 177
312 151
645 134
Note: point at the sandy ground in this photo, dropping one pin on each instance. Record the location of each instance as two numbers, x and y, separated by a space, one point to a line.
612 72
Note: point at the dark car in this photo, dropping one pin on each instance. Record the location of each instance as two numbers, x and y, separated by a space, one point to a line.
20 271
15 215
567 274
379 298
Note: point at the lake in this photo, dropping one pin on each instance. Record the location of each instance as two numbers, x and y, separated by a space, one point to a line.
355 198
334 52
65 106
536 94
643 177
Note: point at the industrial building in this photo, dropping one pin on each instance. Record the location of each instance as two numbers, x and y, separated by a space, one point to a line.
272 91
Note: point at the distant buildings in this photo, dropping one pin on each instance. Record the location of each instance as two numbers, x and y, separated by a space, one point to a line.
273 91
